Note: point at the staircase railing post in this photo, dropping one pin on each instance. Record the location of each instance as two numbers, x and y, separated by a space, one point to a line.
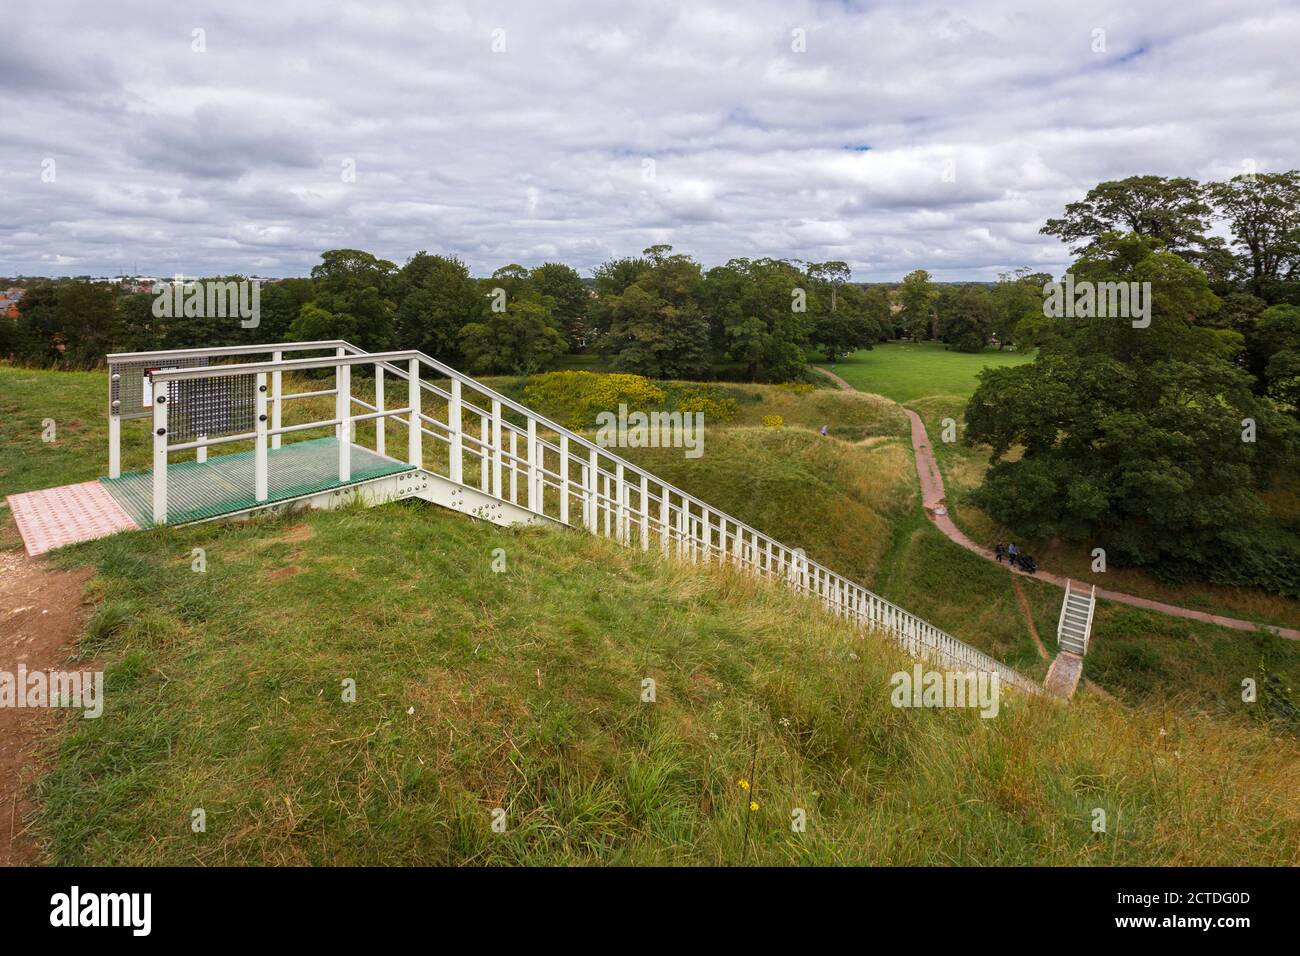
277 389
380 444
530 477
114 445
454 435
606 502
564 479
645 512
414 436
663 520
620 498
339 352
343 406
514 466
589 498
260 482
685 530
496 447
160 453
484 454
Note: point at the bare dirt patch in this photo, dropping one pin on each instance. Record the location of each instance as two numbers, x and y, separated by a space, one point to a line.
42 613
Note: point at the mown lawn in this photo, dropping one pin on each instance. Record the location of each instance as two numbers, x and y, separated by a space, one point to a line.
905 371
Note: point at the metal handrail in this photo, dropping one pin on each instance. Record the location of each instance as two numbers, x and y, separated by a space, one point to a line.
840 594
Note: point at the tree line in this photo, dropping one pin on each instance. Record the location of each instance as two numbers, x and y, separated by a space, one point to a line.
659 314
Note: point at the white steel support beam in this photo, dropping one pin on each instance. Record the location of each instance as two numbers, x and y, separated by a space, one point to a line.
379 407
663 520
514 466
645 512
414 437
530 477
277 389
496 448
114 446
454 433
564 479
343 412
160 453
620 499
260 482
589 488
339 352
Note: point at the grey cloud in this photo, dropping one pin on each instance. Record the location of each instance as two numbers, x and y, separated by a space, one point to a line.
231 160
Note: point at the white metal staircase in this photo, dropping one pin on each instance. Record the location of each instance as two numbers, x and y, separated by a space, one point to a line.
486 455
1075 625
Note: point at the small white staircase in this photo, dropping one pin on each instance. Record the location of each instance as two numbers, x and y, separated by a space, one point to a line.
1075 625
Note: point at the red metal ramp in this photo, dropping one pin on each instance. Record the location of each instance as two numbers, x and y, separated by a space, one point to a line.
66 515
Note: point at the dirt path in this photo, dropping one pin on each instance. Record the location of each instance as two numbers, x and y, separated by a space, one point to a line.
41 614
1028 612
932 498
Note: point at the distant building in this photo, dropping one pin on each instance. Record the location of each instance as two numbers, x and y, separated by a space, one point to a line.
9 300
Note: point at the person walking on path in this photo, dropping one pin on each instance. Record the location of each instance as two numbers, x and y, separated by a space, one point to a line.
1013 555
823 431
999 552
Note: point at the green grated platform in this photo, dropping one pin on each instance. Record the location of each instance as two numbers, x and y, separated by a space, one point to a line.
223 484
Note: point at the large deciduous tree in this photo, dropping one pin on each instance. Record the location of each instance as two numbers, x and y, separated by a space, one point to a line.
350 300
917 295
966 319
656 325
1135 439
1172 211
571 296
519 341
1263 210
752 307
436 298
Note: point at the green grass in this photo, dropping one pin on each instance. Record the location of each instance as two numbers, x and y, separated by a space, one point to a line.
905 371
78 404
224 690
522 690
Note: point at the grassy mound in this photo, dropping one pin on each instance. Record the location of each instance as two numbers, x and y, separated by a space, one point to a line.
523 690
837 501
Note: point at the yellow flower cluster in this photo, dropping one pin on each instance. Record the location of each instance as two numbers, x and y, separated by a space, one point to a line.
575 398
714 409
773 421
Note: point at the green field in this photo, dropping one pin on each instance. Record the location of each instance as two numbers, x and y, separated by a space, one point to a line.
905 371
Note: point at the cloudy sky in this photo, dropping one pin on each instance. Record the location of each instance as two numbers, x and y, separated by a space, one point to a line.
248 137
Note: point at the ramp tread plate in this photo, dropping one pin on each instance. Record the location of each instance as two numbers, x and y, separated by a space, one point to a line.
224 483
68 514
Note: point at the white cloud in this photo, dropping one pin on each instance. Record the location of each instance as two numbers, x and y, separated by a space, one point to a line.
231 160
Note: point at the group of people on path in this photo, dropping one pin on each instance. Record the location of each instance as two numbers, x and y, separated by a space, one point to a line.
1012 553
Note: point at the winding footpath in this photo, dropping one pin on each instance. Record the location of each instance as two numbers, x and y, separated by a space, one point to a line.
933 501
